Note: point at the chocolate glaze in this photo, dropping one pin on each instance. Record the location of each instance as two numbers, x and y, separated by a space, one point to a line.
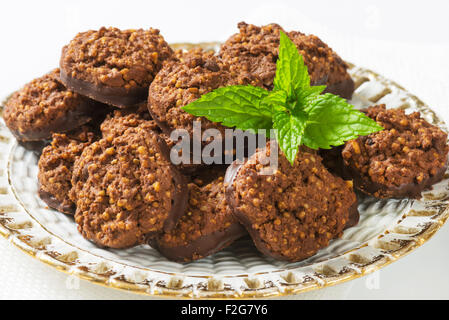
73 119
35 146
333 160
181 196
207 243
52 202
354 216
203 246
118 97
210 173
344 89
161 124
407 190
230 176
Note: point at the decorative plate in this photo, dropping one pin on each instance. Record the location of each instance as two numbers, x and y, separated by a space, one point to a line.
388 230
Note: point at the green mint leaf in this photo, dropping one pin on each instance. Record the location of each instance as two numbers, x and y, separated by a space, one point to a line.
291 72
290 130
292 76
306 96
234 106
275 99
332 121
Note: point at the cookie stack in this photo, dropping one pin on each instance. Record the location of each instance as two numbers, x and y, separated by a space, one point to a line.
105 117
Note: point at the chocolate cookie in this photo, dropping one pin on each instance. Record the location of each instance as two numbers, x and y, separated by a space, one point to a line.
207 227
117 122
253 53
295 211
45 106
183 81
401 161
126 190
56 164
114 66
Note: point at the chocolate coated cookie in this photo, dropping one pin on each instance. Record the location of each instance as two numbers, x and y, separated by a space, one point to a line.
207 226
181 82
253 53
401 161
56 164
126 190
295 211
120 120
114 66
45 106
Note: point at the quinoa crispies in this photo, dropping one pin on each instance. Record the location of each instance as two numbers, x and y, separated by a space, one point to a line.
252 53
118 121
114 66
294 212
125 188
402 160
56 164
45 106
182 81
207 226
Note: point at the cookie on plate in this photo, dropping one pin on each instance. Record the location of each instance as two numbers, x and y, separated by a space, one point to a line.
207 226
45 106
126 190
119 120
253 53
182 81
409 156
56 164
114 66
293 212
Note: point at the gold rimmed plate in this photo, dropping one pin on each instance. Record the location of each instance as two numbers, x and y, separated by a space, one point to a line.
388 230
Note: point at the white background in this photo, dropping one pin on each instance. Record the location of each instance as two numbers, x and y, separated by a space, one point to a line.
407 41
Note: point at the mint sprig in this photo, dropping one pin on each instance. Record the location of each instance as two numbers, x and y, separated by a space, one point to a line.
300 112
332 121
237 106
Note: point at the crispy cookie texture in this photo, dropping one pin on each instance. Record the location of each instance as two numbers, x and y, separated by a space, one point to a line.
401 161
295 211
56 164
208 225
126 190
182 81
45 106
252 53
118 121
114 66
